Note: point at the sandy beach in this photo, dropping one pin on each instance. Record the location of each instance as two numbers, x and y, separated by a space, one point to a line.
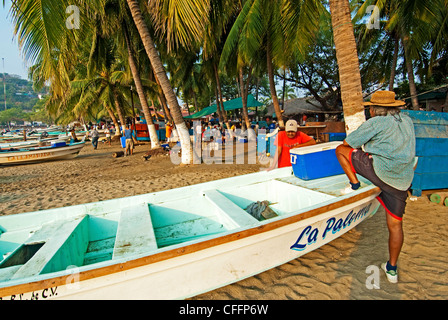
335 271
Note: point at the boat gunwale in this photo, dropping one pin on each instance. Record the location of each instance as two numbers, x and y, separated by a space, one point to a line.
43 149
156 257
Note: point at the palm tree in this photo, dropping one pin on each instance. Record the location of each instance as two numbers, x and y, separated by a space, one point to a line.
219 16
140 89
256 28
347 57
411 25
280 29
45 40
160 74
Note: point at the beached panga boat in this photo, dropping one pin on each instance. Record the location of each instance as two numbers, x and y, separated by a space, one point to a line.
176 243
55 151
32 143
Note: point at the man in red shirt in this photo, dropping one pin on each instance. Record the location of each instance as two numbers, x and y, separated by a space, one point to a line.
287 140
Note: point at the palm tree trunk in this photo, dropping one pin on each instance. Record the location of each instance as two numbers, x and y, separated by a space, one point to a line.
284 89
394 66
244 93
165 109
218 107
118 108
218 85
141 94
195 102
347 57
114 120
278 112
411 78
160 73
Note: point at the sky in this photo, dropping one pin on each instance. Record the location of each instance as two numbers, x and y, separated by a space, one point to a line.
9 49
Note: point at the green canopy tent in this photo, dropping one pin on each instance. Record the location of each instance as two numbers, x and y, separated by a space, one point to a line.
228 105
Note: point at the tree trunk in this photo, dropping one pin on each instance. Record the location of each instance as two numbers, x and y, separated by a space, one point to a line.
165 108
218 108
347 57
118 108
114 120
161 98
218 85
284 89
195 102
244 93
278 112
394 66
140 91
160 73
411 78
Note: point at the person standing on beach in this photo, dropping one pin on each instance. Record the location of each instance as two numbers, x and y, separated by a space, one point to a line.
108 138
388 140
129 142
168 131
95 136
286 140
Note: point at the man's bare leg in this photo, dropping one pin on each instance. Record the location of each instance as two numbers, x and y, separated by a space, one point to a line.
343 155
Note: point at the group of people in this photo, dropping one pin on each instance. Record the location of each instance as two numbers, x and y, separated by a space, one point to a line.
382 150
94 136
128 134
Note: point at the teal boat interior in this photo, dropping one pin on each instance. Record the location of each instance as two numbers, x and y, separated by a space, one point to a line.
43 242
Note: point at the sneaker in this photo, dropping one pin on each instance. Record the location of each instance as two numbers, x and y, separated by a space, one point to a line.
347 190
391 275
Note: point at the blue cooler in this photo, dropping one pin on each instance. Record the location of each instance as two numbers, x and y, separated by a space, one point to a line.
123 142
58 144
337 136
317 161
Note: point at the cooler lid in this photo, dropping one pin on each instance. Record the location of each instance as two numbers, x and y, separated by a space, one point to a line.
316 148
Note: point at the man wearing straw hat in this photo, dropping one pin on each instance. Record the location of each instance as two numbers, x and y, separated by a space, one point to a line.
387 160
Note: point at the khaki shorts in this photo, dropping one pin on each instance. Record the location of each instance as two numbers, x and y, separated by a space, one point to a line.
129 145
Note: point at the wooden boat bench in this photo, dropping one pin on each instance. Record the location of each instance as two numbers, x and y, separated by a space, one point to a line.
234 215
135 234
57 245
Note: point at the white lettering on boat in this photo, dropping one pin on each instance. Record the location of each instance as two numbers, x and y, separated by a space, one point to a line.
310 235
30 156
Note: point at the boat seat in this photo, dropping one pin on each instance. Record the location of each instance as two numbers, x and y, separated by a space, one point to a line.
227 208
63 245
135 234
7 273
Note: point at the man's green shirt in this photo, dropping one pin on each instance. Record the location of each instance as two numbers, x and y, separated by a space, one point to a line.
391 142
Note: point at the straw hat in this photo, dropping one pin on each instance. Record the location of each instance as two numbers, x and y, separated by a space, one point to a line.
385 99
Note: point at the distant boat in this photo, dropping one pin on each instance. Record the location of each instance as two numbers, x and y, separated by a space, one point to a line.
177 243
32 143
56 151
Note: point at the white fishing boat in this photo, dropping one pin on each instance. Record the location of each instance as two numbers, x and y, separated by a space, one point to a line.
177 243
32 143
55 151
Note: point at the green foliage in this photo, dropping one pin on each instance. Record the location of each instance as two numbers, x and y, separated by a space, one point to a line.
20 99
87 66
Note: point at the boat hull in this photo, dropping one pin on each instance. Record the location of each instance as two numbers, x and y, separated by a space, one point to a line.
190 268
45 154
216 267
